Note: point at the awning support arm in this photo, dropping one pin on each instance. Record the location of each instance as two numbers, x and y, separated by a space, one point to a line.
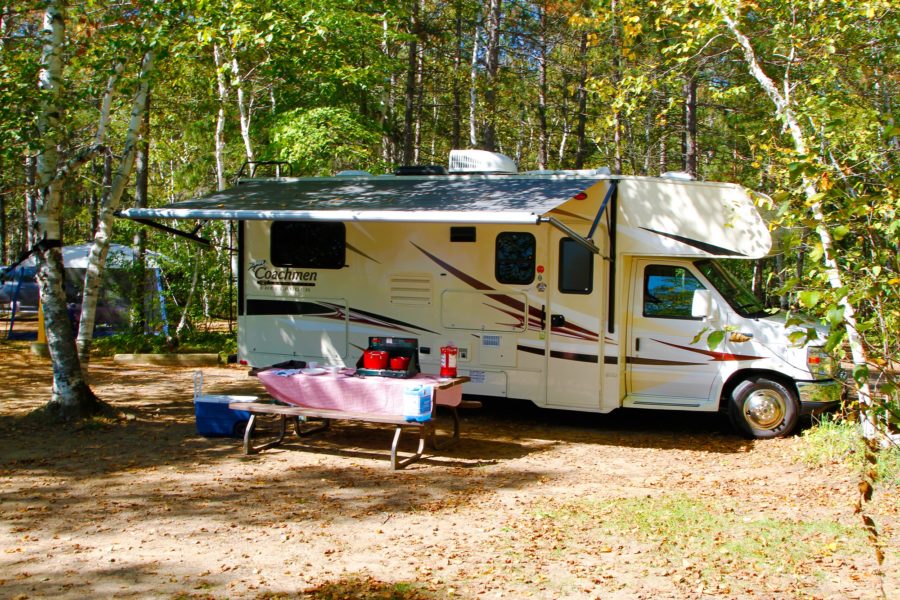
571 233
191 235
613 185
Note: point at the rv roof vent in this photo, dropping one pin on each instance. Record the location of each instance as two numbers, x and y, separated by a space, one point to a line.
677 175
352 173
420 170
481 161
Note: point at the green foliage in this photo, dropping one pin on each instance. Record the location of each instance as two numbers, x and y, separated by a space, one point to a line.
223 343
325 140
838 440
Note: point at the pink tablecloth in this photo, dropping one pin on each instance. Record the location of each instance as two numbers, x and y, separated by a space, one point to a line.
343 391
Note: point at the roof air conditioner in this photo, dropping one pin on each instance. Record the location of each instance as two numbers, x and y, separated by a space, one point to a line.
677 175
481 161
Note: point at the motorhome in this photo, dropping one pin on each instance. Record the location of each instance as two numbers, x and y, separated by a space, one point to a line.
576 290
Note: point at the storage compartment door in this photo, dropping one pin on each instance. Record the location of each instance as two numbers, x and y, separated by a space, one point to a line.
312 327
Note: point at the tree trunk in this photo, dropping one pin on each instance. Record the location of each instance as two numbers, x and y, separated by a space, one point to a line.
473 91
492 67
689 143
617 79
244 111
141 187
183 321
663 147
581 97
4 242
420 91
410 101
5 25
220 118
456 125
99 249
543 141
388 134
71 397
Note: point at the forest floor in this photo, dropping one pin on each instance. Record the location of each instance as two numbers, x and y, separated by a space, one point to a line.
531 504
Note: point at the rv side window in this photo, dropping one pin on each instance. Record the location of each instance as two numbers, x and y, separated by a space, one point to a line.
576 268
514 257
306 245
669 292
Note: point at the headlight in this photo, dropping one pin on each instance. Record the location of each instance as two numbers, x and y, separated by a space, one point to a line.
819 362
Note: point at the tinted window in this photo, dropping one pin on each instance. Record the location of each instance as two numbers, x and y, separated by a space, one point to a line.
514 257
308 245
669 292
576 268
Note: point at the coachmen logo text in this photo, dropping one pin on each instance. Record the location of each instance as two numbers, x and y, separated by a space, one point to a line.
268 276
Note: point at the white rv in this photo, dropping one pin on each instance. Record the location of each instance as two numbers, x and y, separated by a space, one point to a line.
577 290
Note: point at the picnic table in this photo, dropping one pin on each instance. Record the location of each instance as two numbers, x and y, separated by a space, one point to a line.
345 395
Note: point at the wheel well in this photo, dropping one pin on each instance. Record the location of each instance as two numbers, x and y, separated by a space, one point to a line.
739 376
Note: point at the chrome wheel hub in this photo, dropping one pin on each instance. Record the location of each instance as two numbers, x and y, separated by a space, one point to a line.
764 409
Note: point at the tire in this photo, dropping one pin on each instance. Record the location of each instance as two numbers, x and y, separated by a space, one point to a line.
763 408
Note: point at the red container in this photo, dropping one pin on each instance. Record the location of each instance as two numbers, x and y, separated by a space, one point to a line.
399 363
375 359
449 354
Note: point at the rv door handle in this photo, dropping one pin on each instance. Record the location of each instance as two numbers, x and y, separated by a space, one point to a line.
637 344
557 321
543 316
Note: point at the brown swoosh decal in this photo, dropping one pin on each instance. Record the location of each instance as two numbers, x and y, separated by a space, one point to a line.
715 356
635 360
361 253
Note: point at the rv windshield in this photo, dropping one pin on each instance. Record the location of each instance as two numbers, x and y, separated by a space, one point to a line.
742 300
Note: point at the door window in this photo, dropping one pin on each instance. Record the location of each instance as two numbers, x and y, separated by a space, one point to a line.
669 292
576 268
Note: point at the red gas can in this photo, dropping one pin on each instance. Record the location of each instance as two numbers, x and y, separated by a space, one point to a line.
449 355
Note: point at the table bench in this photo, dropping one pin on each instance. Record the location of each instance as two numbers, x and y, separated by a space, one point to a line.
303 414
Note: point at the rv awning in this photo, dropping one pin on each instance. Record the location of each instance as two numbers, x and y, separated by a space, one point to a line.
460 199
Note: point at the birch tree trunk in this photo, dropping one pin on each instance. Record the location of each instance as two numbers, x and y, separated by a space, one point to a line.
71 398
100 247
388 144
689 145
473 91
785 112
237 82
220 118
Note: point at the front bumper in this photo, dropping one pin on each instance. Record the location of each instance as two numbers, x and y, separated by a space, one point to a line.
819 396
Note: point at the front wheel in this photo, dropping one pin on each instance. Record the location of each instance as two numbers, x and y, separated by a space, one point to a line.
763 408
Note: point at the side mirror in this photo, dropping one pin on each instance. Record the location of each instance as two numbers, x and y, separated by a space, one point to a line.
703 305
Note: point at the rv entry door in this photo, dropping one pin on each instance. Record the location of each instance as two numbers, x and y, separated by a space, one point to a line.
572 325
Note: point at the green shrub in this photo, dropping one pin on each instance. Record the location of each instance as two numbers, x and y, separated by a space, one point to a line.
838 440
190 342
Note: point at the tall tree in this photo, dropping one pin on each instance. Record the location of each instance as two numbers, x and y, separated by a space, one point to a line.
71 397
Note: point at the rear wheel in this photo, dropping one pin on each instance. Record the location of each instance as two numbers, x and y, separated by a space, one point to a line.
763 408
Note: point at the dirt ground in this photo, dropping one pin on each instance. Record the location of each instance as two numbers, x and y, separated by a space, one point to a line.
532 503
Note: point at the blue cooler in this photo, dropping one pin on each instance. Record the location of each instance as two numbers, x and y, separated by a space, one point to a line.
215 419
